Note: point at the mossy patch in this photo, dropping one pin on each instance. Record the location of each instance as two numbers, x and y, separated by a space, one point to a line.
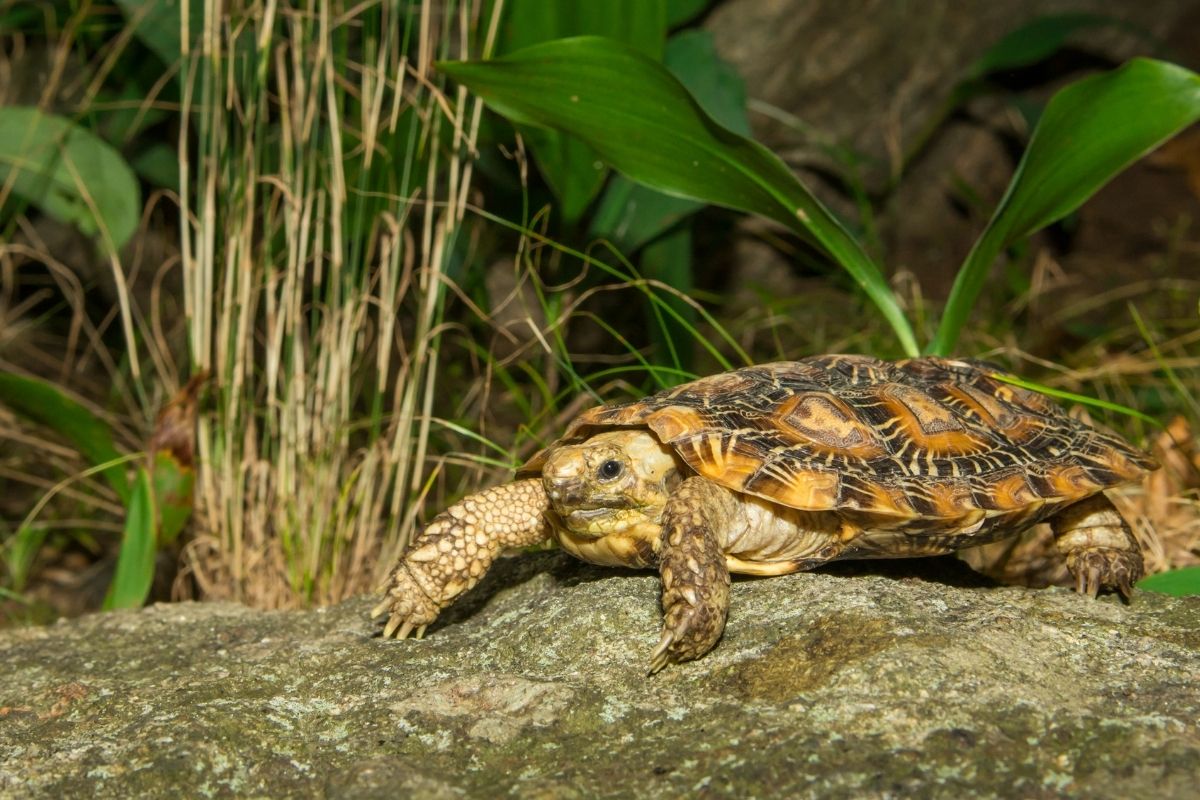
804 661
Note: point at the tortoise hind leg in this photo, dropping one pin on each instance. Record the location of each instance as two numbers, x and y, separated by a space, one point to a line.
1100 549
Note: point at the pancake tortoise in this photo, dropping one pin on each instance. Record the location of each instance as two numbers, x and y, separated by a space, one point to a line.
782 467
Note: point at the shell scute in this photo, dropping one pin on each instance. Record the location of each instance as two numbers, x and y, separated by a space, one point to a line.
828 423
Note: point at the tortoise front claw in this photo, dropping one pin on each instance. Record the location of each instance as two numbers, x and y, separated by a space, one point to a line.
661 655
406 605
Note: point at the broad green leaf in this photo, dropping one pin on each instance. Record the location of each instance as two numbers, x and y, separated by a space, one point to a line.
139 543
569 166
639 119
641 24
69 173
573 171
681 11
691 56
1183 582
1089 132
630 214
1040 38
45 404
669 259
173 484
158 24
159 165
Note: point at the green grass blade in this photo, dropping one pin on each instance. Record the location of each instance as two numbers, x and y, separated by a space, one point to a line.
135 564
1082 399
1089 132
651 293
1182 391
45 404
639 118
19 553
668 259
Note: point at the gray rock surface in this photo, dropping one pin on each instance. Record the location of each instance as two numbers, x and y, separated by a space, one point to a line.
870 680
872 74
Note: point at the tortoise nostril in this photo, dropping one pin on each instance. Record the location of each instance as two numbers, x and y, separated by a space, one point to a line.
566 489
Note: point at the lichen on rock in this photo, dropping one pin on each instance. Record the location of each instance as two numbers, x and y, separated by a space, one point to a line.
863 680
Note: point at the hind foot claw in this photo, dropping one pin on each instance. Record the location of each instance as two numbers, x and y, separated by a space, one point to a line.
1105 569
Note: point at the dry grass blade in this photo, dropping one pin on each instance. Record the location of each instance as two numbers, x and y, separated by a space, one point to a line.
309 259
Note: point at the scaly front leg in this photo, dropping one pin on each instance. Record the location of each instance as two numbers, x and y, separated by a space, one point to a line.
695 579
457 548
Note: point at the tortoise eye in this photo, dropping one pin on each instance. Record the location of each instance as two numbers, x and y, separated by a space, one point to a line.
609 470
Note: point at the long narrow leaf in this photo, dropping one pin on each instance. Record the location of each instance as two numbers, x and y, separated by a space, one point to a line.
135 564
1082 399
45 404
1089 132
641 120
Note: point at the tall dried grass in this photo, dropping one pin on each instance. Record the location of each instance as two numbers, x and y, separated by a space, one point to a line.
330 190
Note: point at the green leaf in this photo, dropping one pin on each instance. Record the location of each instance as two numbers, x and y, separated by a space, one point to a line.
69 173
1184 582
173 484
692 57
20 551
158 25
135 563
574 173
569 166
681 11
639 119
641 24
159 165
630 214
1089 132
1082 399
46 404
1036 40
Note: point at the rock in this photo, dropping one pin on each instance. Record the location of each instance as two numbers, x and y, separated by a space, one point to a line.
862 680
872 74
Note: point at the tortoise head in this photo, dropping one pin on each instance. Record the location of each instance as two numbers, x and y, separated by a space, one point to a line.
612 483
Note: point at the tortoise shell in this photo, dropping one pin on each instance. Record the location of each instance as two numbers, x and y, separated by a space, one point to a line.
945 443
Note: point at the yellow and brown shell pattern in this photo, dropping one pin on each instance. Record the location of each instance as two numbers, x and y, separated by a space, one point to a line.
924 445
